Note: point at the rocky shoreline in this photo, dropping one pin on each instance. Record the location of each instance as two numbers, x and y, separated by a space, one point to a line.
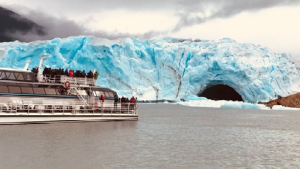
289 101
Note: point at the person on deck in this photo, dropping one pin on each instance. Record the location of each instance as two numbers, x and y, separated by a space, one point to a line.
71 73
33 70
67 72
101 100
45 71
135 103
132 103
36 70
116 99
83 74
90 74
96 75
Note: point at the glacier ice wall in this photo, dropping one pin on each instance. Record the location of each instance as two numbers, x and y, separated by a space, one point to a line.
166 68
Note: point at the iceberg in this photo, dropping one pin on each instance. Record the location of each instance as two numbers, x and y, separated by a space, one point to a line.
194 101
165 68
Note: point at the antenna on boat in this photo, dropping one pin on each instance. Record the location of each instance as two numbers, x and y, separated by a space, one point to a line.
40 75
94 70
27 64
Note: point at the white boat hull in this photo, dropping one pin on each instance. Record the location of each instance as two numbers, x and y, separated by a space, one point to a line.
51 118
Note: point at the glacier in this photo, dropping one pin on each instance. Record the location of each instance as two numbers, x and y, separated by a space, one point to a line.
165 68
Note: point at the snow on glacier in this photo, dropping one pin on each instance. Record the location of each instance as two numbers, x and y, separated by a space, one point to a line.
165 68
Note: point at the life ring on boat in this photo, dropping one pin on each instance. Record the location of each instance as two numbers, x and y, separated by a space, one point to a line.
67 84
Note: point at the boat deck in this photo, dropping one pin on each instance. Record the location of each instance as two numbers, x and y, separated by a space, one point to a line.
41 113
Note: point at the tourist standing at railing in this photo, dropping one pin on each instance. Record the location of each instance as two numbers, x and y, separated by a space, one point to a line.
116 99
76 73
102 100
71 73
90 74
135 103
33 70
67 72
45 71
96 75
53 72
132 103
83 73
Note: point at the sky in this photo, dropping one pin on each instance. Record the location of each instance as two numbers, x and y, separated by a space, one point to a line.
270 23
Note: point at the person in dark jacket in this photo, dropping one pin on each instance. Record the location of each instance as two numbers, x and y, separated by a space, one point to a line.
33 70
90 74
67 72
83 74
45 71
116 99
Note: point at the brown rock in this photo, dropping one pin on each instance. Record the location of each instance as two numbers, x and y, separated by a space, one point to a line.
289 101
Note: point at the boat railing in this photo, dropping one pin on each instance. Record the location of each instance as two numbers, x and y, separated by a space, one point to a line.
68 107
78 80
72 80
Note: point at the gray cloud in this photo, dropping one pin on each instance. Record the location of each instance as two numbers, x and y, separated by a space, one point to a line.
190 13
60 27
221 9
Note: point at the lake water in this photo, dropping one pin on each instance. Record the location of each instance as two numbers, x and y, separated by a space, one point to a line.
165 136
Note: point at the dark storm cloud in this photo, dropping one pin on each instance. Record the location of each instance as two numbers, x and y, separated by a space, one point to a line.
58 27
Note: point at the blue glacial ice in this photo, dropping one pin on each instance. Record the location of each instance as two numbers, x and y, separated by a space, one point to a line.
165 68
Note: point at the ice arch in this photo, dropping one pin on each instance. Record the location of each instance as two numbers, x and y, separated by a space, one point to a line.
221 92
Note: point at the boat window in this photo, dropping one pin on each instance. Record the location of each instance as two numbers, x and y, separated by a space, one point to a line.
4 89
50 91
3 76
14 89
109 94
99 93
27 76
16 75
20 77
12 76
27 90
82 92
39 90
7 74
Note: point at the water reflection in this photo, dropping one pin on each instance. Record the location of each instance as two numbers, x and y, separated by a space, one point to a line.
166 136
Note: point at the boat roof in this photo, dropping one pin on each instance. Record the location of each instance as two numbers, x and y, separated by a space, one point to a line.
15 70
29 83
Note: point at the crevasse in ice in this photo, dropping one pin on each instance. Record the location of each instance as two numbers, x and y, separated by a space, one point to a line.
165 68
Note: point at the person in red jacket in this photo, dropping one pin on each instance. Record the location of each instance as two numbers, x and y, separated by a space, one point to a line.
71 73
101 98
132 103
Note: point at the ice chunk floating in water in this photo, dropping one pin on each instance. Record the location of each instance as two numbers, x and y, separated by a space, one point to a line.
195 101
165 68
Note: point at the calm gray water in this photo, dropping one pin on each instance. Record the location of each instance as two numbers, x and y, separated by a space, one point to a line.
166 136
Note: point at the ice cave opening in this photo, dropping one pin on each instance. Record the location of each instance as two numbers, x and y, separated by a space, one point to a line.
221 92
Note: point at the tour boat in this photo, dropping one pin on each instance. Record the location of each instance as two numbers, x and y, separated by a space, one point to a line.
26 97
